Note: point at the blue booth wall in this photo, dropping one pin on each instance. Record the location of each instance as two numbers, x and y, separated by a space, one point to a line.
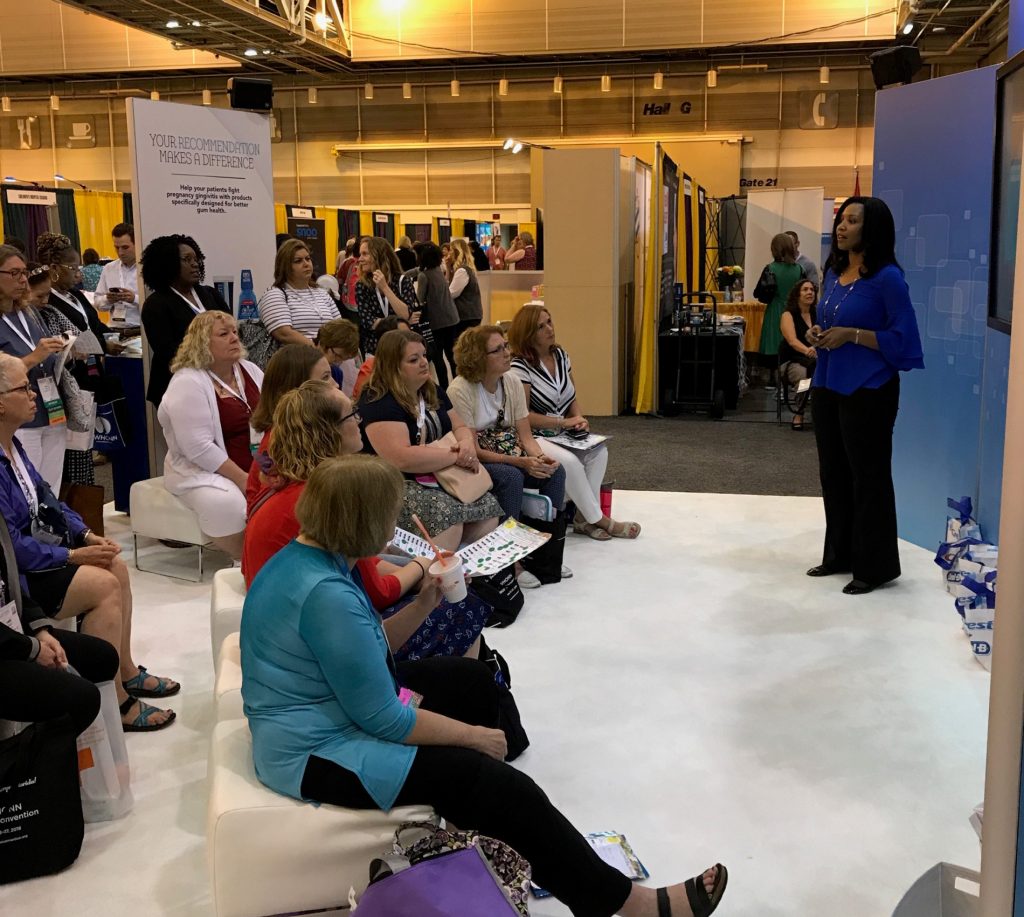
933 165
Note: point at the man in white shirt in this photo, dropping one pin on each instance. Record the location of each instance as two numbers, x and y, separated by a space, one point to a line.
118 287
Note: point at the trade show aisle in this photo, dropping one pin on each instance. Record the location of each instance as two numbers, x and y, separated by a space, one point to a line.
692 689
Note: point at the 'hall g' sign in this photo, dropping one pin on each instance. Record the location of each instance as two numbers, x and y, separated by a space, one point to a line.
819 111
663 108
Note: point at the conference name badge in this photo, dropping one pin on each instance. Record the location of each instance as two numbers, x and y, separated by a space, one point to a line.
9 617
51 401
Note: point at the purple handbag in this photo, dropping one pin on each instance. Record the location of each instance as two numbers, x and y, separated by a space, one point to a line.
457 884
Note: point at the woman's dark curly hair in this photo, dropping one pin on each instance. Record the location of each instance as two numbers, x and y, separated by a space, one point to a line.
161 260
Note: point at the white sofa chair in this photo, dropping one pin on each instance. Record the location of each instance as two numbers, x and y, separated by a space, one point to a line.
156 513
226 599
227 683
269 854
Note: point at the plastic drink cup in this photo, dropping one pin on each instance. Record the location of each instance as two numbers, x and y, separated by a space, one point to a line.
452 573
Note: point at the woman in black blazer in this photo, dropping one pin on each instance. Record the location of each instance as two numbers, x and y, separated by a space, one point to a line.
173 268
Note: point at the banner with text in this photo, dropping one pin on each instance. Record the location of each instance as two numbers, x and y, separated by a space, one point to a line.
206 172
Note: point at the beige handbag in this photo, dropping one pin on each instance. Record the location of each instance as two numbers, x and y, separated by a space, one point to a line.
465 485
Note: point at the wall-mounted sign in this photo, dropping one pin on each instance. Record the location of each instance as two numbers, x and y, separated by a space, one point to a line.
444 222
46 198
302 213
80 132
819 111
29 134
759 183
381 217
666 107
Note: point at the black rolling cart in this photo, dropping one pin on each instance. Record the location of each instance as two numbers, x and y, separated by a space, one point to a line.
688 351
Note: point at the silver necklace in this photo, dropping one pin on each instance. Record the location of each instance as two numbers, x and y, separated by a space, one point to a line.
830 322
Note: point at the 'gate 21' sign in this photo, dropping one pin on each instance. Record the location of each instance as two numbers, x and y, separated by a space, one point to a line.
663 108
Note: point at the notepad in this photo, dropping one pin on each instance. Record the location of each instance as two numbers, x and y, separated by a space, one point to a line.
615 850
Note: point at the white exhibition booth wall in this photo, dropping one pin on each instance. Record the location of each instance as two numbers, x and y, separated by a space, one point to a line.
206 172
780 210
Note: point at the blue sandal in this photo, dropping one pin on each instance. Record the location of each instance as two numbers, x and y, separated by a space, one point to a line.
165 686
141 722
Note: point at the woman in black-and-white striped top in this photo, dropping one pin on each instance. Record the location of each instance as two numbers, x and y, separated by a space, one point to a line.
546 373
294 308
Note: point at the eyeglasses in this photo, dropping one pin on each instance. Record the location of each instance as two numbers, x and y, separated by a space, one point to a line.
190 259
16 274
26 388
503 347
354 416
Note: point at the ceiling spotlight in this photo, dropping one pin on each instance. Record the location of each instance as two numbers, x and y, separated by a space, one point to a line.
938 29
367 91
267 51
58 177
55 103
659 79
5 103
908 28
195 23
251 52
556 86
406 90
503 87
207 97
173 24
509 144
517 147
322 21
311 95
606 83
154 96
455 88
824 75
712 78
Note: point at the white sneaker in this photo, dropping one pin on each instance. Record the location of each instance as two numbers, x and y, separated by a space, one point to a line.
566 572
527 580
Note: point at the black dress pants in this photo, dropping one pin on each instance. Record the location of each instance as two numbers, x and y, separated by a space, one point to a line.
444 342
30 693
854 437
476 792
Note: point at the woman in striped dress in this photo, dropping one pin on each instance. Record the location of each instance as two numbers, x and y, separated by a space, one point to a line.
546 374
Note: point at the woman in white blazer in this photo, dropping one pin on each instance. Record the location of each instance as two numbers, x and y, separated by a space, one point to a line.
205 415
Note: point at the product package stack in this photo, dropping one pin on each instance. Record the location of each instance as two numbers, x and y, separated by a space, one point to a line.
969 566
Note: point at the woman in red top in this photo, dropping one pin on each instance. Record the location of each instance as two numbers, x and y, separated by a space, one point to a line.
318 422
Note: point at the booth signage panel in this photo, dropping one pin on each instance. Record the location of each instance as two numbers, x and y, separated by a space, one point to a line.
206 172
44 198
312 232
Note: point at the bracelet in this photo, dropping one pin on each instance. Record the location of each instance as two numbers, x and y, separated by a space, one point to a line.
423 571
71 553
856 339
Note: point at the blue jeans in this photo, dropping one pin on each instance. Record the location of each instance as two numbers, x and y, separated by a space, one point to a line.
509 482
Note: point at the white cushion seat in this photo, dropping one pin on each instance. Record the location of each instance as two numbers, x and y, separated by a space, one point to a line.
269 854
226 600
227 684
157 513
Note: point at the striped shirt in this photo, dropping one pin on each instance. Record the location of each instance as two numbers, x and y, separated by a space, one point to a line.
552 395
304 310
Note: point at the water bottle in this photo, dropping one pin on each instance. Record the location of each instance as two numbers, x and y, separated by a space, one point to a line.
247 311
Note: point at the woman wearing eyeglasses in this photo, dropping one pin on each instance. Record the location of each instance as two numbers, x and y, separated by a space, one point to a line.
173 268
21 335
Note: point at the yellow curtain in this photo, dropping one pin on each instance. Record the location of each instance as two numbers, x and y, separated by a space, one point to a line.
97 213
531 228
644 386
280 218
330 217
365 223
458 228
435 229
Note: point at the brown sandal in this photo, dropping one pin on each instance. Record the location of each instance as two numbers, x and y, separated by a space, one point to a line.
592 529
629 530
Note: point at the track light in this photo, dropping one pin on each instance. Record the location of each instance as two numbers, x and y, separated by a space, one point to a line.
173 24
368 91
824 75
55 102
251 52
455 88
311 95
70 181
207 97
556 86
659 79
321 21
503 87
406 90
195 23
517 147
606 83
908 28
509 144
5 103
154 96
712 78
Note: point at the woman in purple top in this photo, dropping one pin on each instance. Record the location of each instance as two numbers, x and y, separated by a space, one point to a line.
865 336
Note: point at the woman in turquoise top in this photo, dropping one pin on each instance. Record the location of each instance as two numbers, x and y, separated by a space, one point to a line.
321 693
866 336
786 272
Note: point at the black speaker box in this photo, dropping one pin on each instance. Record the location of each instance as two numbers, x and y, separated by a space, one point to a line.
895 65
250 92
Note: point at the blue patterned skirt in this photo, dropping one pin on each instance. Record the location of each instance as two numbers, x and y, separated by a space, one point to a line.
449 630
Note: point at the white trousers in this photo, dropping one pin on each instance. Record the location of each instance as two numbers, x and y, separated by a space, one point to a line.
44 447
584 474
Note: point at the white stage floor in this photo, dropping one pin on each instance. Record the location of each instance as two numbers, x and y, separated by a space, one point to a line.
693 689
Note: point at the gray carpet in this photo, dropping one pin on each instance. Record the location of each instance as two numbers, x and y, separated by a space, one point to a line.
746 453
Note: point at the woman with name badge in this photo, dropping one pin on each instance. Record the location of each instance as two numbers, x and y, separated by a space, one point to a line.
173 268
206 416
43 438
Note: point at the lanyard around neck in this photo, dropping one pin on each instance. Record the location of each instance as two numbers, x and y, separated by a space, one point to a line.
240 393
194 304
27 336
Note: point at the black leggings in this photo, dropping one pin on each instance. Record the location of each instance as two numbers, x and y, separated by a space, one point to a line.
30 693
444 343
474 791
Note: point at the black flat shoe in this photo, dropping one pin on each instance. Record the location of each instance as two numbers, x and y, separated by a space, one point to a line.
825 570
702 902
857 587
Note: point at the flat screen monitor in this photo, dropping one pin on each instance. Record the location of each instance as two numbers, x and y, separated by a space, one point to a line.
1006 190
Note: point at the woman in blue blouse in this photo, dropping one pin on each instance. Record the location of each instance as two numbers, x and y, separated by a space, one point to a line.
865 336
329 724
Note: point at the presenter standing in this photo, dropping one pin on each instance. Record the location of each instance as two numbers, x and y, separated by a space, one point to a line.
865 336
